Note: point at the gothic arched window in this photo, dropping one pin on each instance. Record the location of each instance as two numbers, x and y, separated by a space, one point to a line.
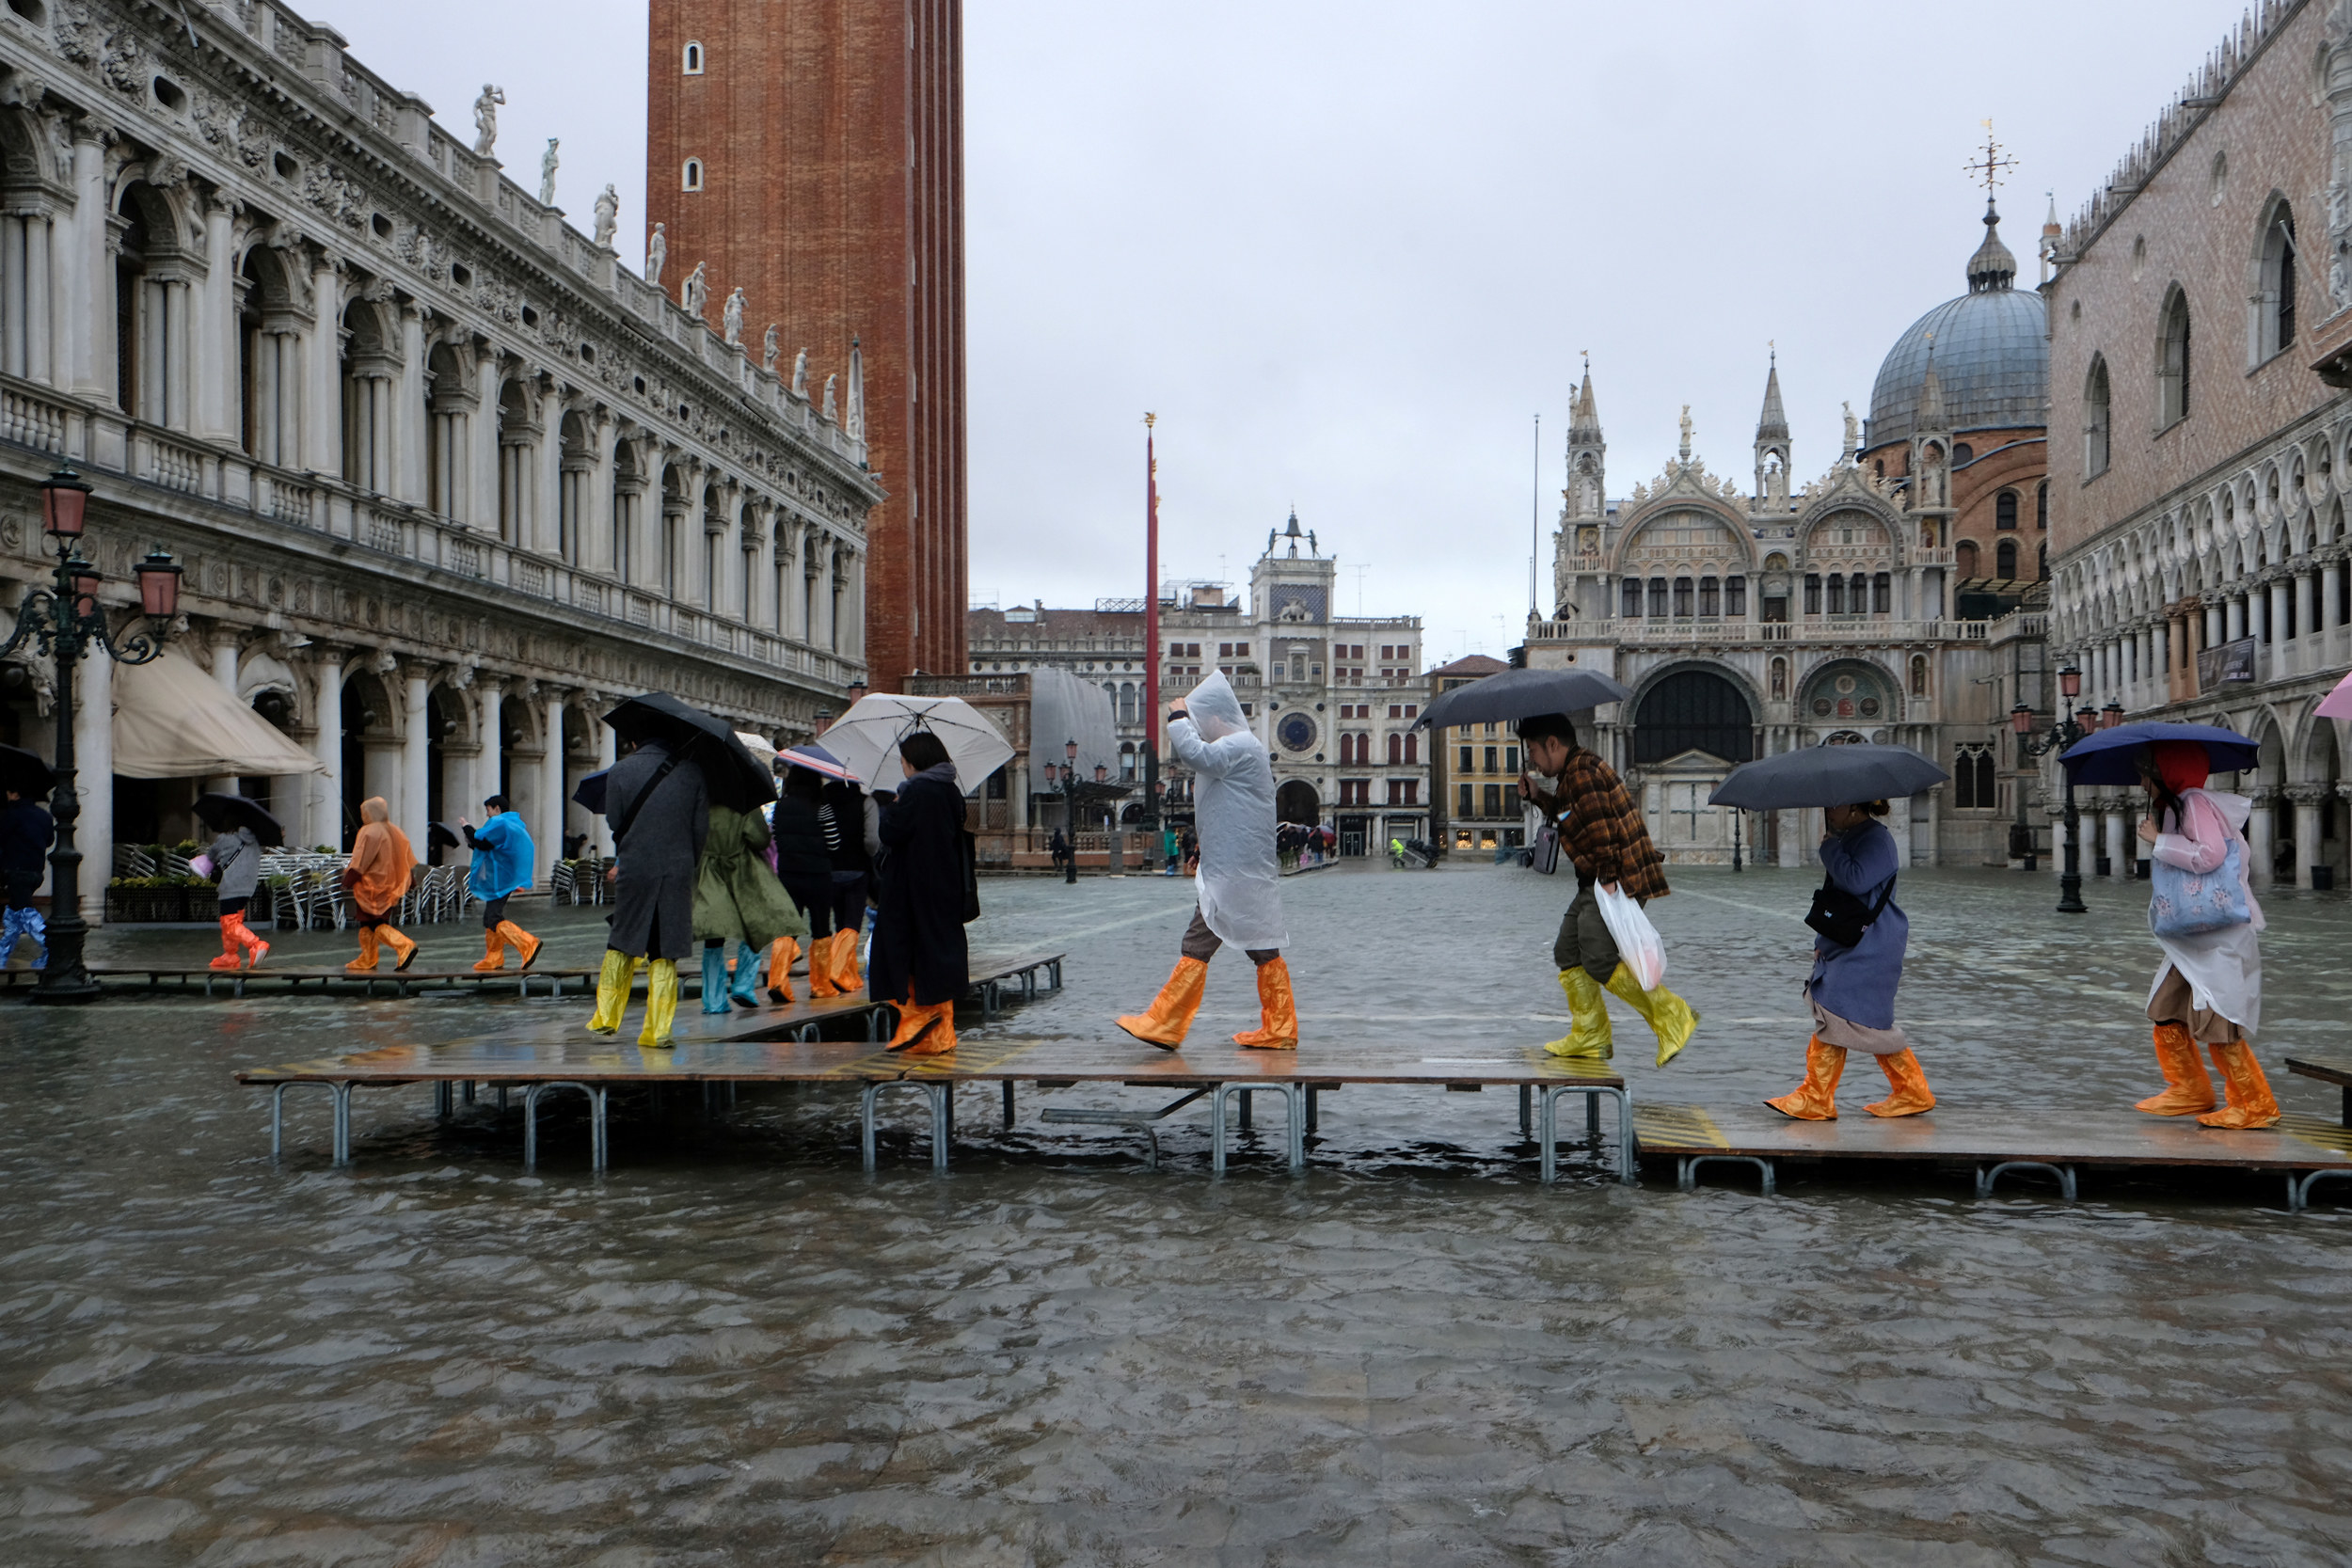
2274 298
2096 412
2173 360
2005 510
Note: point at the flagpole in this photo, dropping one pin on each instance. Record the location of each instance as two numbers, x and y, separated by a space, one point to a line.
1151 627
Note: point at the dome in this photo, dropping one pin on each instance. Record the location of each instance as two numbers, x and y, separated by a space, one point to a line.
1992 353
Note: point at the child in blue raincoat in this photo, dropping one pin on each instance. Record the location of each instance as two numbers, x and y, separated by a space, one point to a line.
502 856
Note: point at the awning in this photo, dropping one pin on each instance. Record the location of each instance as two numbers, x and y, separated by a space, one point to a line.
172 721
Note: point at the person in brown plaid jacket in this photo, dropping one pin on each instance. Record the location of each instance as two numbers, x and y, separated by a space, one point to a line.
1603 835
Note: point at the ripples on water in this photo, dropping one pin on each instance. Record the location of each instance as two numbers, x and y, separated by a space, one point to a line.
737 1348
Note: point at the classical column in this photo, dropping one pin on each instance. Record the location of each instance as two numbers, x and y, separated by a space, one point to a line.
224 644
409 433
547 480
554 808
87 293
483 461
595 551
608 752
2233 617
325 819
2309 845
2305 624
489 758
2119 860
217 404
2330 593
416 762
321 375
2260 834
2275 613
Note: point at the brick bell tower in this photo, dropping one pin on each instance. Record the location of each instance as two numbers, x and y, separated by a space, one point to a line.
811 152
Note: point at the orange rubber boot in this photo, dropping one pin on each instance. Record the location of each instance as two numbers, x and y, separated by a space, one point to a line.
2187 1088
255 948
1816 1098
524 942
369 951
845 973
493 950
1170 1015
2250 1103
780 956
232 952
1909 1079
400 944
820 981
1278 1010
925 1029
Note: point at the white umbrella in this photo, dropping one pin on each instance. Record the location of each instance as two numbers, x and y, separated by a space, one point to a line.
866 737
759 747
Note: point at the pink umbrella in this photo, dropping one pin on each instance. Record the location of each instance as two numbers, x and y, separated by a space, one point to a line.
2338 704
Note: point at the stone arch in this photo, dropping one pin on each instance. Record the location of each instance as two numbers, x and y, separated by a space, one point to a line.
1693 704
1734 548
155 270
1873 697
1294 800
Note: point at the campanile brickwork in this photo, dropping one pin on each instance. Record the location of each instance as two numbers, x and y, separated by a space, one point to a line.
828 139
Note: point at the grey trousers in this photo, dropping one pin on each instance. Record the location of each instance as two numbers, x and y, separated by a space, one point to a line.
1584 938
1202 944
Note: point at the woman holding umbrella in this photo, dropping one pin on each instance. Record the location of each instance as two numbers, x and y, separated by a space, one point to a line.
377 874
804 866
236 861
919 960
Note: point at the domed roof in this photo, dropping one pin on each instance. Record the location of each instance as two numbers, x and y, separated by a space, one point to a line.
1992 354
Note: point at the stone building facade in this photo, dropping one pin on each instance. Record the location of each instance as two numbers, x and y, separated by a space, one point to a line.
2200 321
447 479
1474 772
809 153
1103 646
1750 620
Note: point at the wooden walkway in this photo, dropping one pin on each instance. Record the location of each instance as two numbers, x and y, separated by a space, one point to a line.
2306 1150
2328 1071
720 1050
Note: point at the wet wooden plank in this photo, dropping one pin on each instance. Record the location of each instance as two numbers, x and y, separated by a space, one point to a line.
2082 1137
2329 1069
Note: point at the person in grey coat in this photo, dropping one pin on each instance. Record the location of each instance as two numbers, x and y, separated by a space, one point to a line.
236 857
658 806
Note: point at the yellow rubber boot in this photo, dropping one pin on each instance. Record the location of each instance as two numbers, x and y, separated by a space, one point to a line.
613 987
660 1005
1909 1079
2187 1088
1170 1015
1816 1098
1668 1015
1588 1034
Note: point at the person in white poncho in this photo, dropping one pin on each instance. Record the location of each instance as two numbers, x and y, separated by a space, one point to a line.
1239 886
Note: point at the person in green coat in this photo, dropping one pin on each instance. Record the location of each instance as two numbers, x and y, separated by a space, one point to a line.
739 900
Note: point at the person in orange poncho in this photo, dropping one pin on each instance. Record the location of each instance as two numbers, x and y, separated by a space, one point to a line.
376 876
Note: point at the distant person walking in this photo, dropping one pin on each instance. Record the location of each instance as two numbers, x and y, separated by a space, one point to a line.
804 866
658 806
502 856
1604 836
1851 989
919 960
377 875
1239 888
738 901
236 857
2208 991
25 834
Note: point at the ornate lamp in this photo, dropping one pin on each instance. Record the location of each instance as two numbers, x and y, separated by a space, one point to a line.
64 503
2110 716
2070 683
159 585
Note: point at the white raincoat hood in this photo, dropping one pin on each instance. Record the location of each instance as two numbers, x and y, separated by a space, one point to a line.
1239 885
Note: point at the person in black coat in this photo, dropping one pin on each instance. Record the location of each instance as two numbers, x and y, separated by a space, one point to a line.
804 866
25 834
919 960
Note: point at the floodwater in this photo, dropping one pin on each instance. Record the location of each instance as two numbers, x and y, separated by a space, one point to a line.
737 1348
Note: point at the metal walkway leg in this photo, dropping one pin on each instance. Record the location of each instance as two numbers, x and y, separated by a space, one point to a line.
1294 1104
599 1148
1687 1169
943 1114
1548 1127
2065 1174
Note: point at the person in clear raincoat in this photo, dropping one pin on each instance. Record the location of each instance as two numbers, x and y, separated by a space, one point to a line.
1239 886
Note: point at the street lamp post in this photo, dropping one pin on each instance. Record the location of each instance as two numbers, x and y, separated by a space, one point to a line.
1070 807
65 622
2064 731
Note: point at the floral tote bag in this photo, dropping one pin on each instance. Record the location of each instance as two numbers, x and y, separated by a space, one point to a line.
2187 902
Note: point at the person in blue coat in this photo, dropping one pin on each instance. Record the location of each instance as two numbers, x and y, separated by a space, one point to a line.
502 855
1853 988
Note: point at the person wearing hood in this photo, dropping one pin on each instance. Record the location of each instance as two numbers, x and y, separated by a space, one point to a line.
804 866
1239 885
1851 989
237 860
2208 991
739 900
26 833
850 819
502 853
377 875
659 805
919 960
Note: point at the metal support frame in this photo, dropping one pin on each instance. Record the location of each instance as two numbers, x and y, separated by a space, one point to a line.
1687 1169
2065 1174
1294 1104
342 1115
1141 1122
2299 1190
598 1148
1548 1128
942 1111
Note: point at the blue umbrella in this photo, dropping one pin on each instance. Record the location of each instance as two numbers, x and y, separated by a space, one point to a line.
2112 757
589 792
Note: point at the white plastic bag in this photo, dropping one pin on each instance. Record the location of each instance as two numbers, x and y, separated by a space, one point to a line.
1637 939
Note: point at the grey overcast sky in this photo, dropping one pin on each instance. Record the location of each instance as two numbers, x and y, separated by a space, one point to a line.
1347 251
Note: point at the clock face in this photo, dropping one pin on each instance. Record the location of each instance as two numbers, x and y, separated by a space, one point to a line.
1296 731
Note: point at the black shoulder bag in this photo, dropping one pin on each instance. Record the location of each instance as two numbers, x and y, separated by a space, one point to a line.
1842 917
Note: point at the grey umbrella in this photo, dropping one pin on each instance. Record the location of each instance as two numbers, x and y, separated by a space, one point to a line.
1520 694
1827 776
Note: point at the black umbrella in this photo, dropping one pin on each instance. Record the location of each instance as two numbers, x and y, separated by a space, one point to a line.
22 773
1520 694
589 792
231 812
441 835
735 778
1827 776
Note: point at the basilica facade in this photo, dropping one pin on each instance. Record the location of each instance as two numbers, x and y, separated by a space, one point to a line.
446 479
1750 619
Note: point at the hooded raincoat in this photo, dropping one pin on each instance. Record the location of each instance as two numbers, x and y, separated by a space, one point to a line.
1239 884
502 853
380 859
652 897
737 898
2223 967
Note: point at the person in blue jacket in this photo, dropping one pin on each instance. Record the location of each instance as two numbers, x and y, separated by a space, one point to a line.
1853 988
25 834
502 854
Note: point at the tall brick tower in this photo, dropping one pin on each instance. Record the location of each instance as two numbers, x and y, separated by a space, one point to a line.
811 151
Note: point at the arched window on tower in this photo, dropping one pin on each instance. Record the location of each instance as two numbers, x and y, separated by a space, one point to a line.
2004 560
2173 360
2274 298
2005 510
693 59
691 178
2096 411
